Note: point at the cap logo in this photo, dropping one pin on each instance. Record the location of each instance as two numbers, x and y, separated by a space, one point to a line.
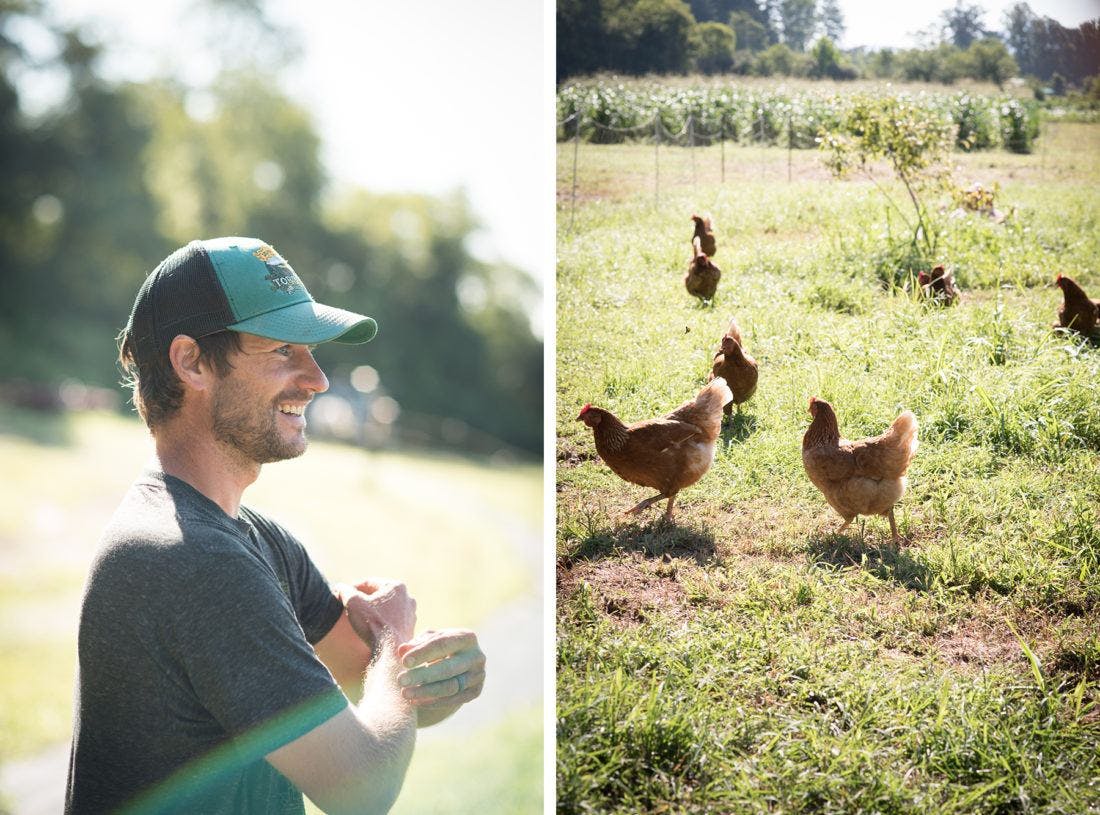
280 275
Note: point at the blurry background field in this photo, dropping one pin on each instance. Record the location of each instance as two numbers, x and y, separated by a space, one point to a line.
464 535
127 131
747 659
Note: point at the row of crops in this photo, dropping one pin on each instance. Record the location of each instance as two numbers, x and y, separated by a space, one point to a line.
609 113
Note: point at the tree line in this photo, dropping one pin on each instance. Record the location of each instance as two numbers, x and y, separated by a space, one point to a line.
100 187
799 38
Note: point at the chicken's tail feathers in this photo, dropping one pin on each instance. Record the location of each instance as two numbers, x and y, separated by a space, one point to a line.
905 429
734 330
716 392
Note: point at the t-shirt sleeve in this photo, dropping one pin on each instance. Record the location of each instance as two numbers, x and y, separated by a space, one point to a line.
243 652
315 605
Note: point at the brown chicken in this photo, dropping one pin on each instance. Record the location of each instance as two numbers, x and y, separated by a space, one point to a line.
705 234
702 275
865 477
939 285
1078 311
666 454
736 367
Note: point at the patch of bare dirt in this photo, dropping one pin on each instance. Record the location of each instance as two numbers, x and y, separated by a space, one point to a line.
570 454
977 643
628 590
984 639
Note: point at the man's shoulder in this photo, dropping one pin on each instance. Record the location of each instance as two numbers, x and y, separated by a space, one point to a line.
155 522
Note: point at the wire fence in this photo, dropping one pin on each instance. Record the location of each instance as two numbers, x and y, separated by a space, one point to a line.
692 135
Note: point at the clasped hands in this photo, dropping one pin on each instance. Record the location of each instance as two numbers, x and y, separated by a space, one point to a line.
441 669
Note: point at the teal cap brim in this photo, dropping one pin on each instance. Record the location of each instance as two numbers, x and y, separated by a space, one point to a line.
310 323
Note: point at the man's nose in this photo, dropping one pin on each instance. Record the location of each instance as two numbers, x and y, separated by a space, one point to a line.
313 377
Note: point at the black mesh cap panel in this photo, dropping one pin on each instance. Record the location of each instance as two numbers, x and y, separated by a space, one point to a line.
181 296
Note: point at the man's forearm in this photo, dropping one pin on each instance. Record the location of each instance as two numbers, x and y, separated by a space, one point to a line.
390 720
355 763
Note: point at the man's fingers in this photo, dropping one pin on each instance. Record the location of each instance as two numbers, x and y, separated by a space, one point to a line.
471 660
452 691
374 589
387 607
439 645
345 592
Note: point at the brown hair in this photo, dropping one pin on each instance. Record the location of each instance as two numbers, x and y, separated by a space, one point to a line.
157 391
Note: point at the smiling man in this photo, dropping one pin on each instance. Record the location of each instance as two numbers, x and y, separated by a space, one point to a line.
212 652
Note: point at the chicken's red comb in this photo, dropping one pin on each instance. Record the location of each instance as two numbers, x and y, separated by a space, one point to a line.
587 407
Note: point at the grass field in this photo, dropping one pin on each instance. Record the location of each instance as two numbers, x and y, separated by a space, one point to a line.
448 526
746 659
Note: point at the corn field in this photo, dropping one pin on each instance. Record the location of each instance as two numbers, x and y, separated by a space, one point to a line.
609 112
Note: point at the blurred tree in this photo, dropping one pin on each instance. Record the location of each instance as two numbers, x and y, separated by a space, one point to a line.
826 61
719 11
1018 21
750 34
772 18
77 221
102 187
714 48
962 24
945 63
649 36
780 60
437 311
581 38
1043 47
830 19
882 64
798 19
990 61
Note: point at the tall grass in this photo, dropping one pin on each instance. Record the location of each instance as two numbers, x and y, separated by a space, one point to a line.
746 658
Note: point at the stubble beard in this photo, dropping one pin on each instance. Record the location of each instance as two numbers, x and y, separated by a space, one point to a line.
251 428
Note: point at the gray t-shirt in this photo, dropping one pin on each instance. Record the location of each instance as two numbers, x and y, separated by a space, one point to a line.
195 658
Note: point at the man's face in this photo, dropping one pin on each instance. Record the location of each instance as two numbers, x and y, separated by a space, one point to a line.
258 406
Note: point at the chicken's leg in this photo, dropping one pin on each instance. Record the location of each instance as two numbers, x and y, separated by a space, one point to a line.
844 526
646 503
668 509
893 526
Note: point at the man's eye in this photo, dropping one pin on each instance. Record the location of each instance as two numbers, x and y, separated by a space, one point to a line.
284 350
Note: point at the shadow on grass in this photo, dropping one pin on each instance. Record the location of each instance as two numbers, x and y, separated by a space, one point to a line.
657 539
884 561
52 428
738 427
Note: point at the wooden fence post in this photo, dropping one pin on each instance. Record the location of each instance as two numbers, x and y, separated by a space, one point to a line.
576 148
722 145
657 159
790 145
691 148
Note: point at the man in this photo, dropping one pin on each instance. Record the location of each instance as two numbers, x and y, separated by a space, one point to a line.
210 646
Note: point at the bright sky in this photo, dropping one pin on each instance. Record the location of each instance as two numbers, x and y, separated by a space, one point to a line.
425 97
879 24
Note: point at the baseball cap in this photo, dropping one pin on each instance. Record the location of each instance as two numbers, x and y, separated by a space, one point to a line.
236 284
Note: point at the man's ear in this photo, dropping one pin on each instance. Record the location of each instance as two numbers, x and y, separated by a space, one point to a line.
189 364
